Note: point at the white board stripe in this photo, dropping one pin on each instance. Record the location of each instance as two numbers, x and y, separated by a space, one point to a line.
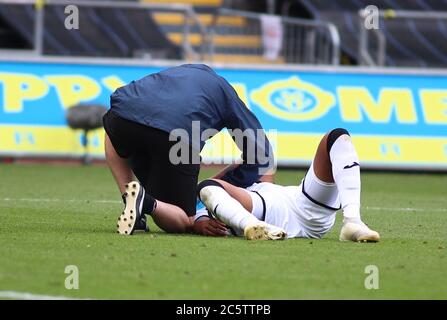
409 209
31 296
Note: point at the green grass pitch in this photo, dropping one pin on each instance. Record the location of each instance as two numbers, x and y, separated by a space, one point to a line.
54 216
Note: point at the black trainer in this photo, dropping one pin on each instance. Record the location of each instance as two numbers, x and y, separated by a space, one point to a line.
132 217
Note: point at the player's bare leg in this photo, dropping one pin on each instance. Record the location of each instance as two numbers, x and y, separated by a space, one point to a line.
119 167
336 161
169 217
233 205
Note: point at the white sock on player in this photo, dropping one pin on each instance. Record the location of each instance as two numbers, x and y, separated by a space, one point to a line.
346 172
226 208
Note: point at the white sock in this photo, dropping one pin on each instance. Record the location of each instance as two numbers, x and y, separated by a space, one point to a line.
226 208
346 172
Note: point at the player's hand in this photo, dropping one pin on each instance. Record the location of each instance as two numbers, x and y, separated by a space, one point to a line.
210 227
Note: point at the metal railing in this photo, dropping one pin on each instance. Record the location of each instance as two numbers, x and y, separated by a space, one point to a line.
304 41
190 19
270 5
372 52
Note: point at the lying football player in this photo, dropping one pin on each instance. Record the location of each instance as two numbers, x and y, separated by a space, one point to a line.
269 211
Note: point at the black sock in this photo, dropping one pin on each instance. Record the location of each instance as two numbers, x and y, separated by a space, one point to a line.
149 204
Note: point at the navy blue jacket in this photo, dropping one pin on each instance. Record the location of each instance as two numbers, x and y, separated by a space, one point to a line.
176 97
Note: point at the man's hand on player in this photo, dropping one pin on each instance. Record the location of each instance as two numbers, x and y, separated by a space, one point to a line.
210 227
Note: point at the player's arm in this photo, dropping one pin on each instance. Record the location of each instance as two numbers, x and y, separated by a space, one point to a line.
221 173
268 177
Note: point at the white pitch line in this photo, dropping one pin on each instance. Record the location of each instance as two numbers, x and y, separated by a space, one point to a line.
407 209
117 201
58 200
31 296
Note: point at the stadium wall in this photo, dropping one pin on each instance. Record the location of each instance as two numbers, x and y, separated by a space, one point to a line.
398 117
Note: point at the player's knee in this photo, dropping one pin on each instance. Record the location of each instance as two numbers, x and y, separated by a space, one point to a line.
207 183
333 136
